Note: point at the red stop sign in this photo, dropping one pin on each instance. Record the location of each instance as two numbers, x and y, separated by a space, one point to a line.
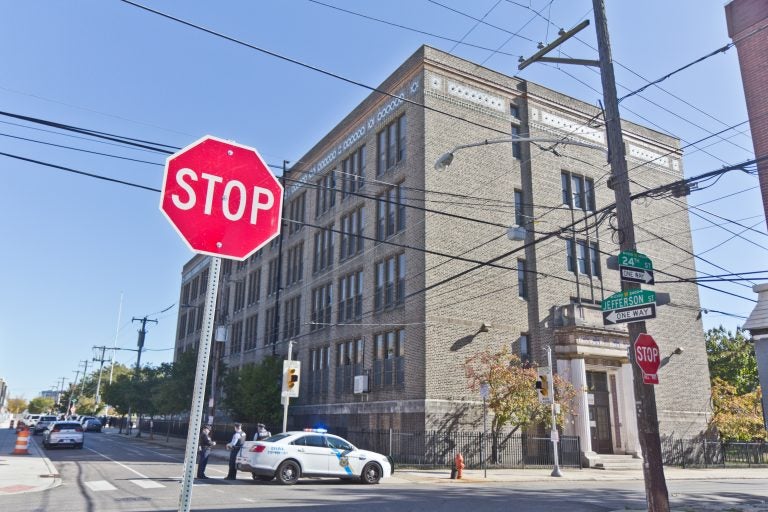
222 198
647 357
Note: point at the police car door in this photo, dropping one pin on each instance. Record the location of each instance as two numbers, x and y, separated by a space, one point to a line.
313 454
344 461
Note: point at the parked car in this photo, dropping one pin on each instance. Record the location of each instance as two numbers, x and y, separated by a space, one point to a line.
30 420
92 425
43 423
63 433
291 455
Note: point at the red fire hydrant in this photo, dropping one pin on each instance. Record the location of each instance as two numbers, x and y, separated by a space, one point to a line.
458 461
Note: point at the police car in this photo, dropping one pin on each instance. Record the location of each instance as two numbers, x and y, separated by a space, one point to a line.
313 452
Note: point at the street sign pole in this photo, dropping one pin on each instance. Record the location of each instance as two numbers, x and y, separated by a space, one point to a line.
553 434
657 495
198 393
286 398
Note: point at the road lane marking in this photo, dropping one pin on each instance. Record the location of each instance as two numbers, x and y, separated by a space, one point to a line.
100 485
118 463
147 484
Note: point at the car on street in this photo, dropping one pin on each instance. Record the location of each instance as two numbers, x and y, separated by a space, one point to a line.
63 433
43 423
30 420
91 424
311 453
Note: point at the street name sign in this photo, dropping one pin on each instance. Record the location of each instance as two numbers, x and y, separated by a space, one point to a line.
635 268
629 306
647 357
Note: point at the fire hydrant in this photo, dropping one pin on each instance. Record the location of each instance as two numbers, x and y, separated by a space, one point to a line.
458 462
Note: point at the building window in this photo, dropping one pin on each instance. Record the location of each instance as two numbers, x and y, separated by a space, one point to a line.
391 145
182 330
254 286
236 340
349 362
273 281
318 371
525 349
295 271
325 193
514 111
389 359
516 148
239 302
583 257
390 213
322 299
322 258
522 282
353 172
351 234
296 213
292 318
519 218
270 326
350 307
578 191
251 332
389 282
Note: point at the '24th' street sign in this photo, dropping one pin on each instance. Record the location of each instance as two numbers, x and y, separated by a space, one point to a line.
635 268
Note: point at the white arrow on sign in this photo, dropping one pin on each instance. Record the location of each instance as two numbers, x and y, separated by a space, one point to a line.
636 275
628 315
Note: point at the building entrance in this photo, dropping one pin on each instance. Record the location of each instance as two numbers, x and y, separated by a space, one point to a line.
599 412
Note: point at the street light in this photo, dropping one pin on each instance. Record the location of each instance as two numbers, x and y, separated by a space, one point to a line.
447 158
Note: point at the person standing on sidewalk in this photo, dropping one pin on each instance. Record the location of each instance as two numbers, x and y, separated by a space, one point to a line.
238 438
206 443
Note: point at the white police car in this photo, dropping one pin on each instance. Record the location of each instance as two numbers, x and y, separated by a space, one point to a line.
291 455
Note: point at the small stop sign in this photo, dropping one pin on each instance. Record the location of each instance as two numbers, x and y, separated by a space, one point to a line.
221 198
647 357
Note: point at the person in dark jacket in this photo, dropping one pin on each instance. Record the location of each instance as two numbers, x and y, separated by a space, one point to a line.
206 444
238 438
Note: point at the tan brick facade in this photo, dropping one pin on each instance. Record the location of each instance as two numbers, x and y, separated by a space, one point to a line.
423 386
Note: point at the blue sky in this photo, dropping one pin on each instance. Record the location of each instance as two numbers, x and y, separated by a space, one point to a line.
73 246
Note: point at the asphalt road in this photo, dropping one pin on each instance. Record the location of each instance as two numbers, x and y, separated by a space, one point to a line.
113 473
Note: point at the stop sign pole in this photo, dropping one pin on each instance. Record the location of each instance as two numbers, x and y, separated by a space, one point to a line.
223 201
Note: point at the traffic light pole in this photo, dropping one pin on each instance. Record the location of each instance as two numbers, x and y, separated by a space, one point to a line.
647 421
286 398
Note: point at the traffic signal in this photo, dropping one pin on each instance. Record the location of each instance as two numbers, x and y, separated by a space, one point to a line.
293 378
542 385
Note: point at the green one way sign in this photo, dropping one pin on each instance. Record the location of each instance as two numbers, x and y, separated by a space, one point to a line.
635 267
629 306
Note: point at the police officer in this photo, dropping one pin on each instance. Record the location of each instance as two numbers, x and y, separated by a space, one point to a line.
206 443
238 438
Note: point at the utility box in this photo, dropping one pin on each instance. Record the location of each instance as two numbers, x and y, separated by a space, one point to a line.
361 384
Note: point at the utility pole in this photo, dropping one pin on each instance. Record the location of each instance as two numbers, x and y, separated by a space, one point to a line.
59 389
101 361
84 362
140 343
656 492
276 326
72 388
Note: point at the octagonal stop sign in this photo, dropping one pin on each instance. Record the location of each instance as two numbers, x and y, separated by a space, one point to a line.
647 358
222 198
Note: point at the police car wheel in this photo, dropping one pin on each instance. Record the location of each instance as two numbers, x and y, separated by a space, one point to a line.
288 472
371 473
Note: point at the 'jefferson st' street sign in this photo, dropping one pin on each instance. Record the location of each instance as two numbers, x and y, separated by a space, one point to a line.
629 306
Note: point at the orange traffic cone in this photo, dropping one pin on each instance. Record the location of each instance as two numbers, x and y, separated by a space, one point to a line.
22 443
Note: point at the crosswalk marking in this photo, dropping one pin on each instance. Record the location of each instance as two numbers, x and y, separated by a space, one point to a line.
147 484
100 485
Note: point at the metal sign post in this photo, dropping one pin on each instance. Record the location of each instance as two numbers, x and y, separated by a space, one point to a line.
198 393
285 397
553 434
484 392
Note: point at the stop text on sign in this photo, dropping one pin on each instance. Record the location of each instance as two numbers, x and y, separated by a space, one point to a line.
649 354
234 192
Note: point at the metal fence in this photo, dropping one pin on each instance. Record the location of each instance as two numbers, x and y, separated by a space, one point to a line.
438 449
424 449
708 453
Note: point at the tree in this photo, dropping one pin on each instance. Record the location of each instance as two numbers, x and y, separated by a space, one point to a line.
512 394
174 391
737 417
731 358
40 404
252 392
17 405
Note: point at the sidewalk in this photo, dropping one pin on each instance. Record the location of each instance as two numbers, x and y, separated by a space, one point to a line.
24 473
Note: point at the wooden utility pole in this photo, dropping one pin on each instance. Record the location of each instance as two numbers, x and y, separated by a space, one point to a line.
645 398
